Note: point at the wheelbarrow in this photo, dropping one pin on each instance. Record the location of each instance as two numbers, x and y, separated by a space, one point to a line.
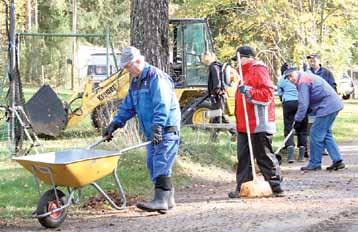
72 169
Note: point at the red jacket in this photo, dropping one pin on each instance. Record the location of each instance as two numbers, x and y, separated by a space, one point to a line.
259 100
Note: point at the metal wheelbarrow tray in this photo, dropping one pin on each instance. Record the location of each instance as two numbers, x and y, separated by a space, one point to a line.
73 169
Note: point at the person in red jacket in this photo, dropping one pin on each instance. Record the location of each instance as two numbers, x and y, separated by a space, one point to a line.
256 85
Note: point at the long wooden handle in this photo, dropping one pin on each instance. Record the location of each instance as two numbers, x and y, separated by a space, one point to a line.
247 123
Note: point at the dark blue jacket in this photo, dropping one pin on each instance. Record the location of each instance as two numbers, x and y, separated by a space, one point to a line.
326 75
152 98
316 96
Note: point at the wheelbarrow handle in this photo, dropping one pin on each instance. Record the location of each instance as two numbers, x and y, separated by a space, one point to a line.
96 143
121 151
100 141
135 146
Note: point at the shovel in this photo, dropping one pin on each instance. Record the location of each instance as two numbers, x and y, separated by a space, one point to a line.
256 187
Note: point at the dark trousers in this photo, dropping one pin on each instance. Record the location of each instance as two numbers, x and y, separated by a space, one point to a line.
219 102
289 111
265 158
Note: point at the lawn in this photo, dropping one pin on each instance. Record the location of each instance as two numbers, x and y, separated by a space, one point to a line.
18 194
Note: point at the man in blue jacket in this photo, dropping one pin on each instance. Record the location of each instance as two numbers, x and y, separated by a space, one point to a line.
151 97
316 68
318 98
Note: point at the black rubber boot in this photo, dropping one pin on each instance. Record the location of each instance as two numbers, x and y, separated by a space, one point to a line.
291 154
159 203
301 154
171 200
234 194
161 196
277 191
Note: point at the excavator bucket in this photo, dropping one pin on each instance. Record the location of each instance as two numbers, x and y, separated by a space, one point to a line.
46 112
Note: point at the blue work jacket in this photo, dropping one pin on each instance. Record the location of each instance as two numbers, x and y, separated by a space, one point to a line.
151 97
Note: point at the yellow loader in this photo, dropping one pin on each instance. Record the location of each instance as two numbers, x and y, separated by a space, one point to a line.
189 38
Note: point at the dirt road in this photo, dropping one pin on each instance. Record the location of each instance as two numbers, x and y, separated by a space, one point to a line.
316 201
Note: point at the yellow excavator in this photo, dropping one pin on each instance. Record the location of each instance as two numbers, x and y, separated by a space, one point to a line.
189 38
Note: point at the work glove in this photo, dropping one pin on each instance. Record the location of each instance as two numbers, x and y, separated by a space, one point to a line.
108 133
157 134
297 125
243 89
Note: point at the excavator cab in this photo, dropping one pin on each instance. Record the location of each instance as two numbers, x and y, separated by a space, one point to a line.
189 38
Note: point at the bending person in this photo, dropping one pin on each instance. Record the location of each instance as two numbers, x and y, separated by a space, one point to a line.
316 96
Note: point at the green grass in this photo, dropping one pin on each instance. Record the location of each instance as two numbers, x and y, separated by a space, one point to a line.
18 193
17 190
346 125
198 147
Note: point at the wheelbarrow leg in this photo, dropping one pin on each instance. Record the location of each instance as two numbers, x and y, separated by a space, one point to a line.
120 191
76 199
36 180
104 194
120 188
48 171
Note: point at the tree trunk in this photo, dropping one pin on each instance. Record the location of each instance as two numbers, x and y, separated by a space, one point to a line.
149 30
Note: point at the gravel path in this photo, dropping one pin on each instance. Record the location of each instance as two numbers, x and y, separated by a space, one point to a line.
316 201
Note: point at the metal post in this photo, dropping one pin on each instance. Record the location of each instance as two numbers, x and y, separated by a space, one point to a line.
114 54
85 35
74 42
12 65
28 15
107 50
18 47
36 15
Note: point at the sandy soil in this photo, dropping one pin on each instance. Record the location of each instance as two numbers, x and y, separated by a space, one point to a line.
315 201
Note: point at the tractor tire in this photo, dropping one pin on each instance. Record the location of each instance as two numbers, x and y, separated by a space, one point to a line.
103 114
197 116
47 203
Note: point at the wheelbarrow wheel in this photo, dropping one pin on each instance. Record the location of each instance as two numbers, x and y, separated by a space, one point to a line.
47 203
